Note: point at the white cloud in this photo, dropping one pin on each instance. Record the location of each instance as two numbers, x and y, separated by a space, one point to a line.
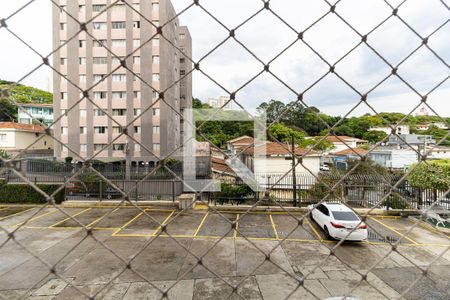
266 36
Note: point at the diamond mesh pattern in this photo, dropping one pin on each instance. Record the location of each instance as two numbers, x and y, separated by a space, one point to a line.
125 264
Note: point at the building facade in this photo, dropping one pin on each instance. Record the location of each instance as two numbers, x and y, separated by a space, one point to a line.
16 137
143 98
221 102
29 113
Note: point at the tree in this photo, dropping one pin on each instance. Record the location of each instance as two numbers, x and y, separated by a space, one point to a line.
273 110
374 136
198 104
284 134
433 174
318 145
344 130
4 154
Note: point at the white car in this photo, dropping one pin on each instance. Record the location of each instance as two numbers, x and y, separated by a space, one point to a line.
337 220
324 167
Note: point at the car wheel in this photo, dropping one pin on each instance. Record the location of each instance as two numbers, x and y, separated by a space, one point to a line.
327 233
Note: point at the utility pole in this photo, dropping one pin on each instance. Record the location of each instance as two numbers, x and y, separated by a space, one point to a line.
294 179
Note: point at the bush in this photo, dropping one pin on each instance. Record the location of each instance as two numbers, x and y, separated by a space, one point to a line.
433 174
395 202
22 193
234 192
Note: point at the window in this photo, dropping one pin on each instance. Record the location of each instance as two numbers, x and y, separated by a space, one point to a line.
82 43
62 26
156 23
82 60
3 137
118 25
116 61
100 60
137 147
136 76
156 77
63 61
62 8
119 147
99 113
99 25
155 7
98 7
137 129
82 113
82 9
156 130
100 95
119 95
83 147
118 7
182 36
136 24
98 77
136 60
155 42
155 59
119 43
155 95
137 111
99 147
82 78
117 129
182 60
64 130
345 216
119 112
100 130
136 43
83 130
100 43
62 42
156 112
156 147
137 94
63 96
182 72
119 78
63 112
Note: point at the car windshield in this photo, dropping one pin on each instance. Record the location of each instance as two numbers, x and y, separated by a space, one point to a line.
345 216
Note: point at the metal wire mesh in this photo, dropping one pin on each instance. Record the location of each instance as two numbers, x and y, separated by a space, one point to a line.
330 252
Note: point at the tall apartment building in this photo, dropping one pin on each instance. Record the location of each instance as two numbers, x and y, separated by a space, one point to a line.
221 102
86 62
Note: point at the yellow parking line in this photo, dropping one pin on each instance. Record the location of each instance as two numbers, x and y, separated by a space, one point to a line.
393 230
236 228
163 223
99 219
274 227
17 213
69 218
314 230
201 224
35 218
127 223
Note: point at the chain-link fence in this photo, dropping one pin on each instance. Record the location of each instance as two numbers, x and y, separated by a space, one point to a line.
266 248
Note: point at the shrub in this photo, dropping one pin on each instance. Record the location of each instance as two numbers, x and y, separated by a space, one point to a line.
23 193
234 192
433 174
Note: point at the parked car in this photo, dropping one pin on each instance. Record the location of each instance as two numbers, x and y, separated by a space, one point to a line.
324 167
338 220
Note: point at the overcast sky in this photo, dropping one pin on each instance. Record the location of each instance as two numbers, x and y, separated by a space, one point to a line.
266 36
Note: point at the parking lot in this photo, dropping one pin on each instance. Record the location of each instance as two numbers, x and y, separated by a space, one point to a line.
166 234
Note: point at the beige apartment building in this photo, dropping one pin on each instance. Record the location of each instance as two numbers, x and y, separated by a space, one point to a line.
86 62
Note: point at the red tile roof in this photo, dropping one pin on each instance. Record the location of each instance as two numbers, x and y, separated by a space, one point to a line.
243 140
272 148
341 138
22 127
220 165
352 151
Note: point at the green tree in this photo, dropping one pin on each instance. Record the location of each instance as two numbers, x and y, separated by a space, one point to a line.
374 136
273 109
433 174
284 134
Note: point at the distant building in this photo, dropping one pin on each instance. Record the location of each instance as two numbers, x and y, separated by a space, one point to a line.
344 142
29 113
221 102
426 126
16 137
238 144
438 152
413 140
394 158
399 129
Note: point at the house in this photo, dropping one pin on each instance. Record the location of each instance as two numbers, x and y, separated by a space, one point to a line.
236 145
340 158
413 140
426 126
438 152
394 158
276 158
399 129
222 171
343 142
16 137
29 113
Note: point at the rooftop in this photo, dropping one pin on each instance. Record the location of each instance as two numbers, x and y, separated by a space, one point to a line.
22 127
